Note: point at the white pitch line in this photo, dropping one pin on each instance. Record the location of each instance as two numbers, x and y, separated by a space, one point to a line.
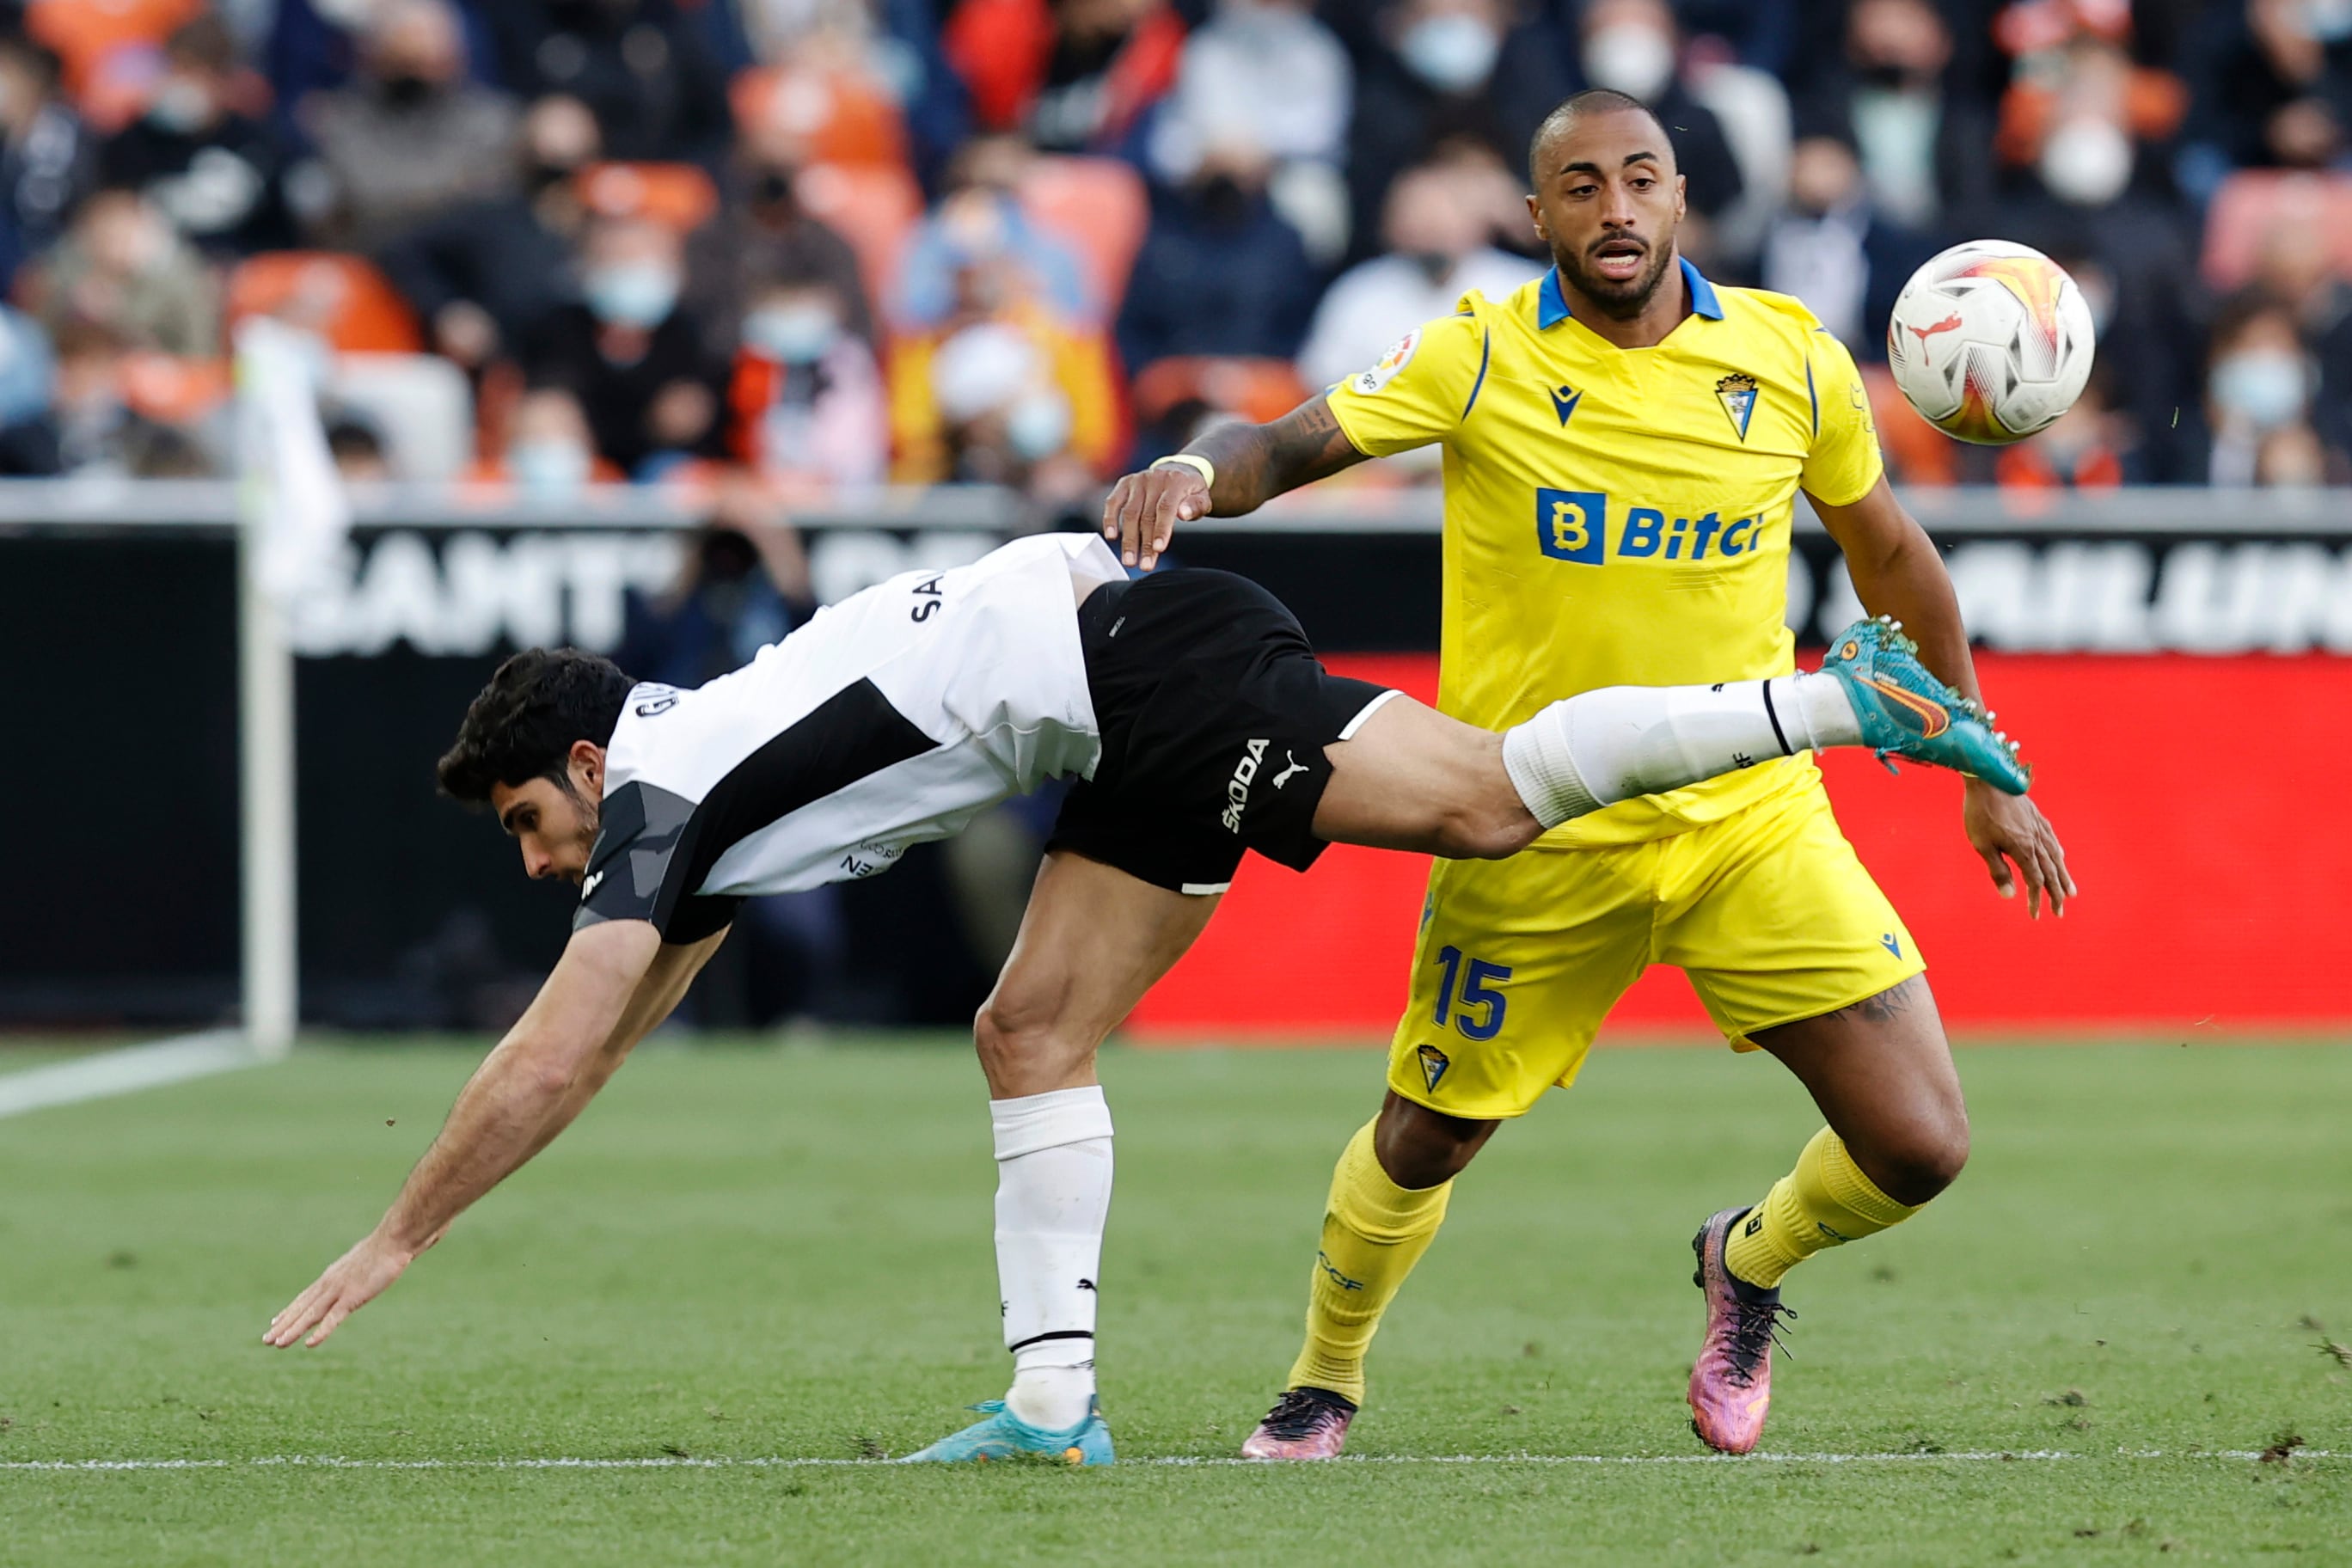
128 1070
691 1462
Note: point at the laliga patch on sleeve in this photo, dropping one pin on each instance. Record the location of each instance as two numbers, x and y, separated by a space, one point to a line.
1399 355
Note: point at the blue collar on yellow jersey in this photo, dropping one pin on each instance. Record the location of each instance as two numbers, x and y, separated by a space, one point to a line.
1551 307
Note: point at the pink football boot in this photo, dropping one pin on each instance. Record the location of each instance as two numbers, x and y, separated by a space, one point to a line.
1731 1384
1304 1424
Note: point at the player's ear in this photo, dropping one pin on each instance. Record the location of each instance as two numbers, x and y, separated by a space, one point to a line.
587 768
1535 215
1682 199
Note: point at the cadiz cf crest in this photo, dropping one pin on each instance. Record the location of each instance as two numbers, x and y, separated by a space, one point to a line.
1738 394
1433 1064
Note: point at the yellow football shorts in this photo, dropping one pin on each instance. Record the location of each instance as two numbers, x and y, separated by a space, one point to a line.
1767 910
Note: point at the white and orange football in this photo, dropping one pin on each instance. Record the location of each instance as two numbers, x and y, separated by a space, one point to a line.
1991 342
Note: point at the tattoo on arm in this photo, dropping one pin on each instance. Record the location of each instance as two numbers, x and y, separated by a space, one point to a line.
1257 462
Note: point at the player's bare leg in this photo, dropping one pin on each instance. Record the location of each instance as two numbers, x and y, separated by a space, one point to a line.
1094 940
1881 1071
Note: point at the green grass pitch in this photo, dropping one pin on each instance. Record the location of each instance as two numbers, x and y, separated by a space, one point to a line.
744 1253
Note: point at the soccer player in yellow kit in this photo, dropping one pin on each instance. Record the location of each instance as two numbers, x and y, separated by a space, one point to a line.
1622 445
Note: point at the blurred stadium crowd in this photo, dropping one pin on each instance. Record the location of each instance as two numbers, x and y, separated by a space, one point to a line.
839 242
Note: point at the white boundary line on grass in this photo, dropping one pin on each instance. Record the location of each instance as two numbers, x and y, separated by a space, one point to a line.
128 1070
691 1462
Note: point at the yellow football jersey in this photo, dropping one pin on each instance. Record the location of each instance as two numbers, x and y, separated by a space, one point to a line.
1621 516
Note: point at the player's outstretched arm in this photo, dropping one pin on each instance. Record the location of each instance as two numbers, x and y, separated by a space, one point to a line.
613 984
1253 464
1898 571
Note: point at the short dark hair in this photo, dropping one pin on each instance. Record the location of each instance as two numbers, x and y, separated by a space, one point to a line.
521 725
1591 100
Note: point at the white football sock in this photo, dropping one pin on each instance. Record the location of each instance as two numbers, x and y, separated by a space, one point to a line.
1601 747
1052 1199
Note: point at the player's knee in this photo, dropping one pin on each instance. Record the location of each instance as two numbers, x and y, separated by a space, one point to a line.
1923 1159
1485 831
1019 1032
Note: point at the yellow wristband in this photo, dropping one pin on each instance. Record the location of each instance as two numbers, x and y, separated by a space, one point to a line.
1195 461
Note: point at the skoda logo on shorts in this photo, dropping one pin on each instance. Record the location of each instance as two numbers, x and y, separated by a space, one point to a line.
1238 789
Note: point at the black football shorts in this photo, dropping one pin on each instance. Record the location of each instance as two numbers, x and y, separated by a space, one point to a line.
1214 712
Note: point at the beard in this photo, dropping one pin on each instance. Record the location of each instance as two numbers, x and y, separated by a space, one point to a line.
1619 300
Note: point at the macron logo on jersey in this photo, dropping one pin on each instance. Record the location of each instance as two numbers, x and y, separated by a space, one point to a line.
1573 525
1564 399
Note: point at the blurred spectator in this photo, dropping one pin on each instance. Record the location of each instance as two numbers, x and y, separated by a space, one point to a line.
2280 90
890 46
1833 251
1076 74
549 455
2259 393
357 450
123 269
980 223
762 234
47 156
631 355
410 136
1219 273
1436 73
2293 270
1002 393
2295 459
216 172
1892 95
1266 76
481 274
1437 252
1633 47
807 397
1761 34
643 67
90 427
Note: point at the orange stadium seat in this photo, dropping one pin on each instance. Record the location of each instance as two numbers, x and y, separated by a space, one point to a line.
677 195
834 114
83 33
874 206
1256 389
1100 206
173 391
341 298
2252 202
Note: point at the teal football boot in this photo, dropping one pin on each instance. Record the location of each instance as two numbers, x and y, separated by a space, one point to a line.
1004 1436
1908 712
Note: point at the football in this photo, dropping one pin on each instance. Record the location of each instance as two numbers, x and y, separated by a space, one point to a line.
1991 342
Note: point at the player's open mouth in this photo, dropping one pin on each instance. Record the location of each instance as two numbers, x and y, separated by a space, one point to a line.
1619 260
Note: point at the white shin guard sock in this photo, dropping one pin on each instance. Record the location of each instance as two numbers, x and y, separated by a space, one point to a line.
1601 747
1052 1199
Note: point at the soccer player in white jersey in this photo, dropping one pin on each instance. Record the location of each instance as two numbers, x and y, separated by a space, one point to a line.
1197 722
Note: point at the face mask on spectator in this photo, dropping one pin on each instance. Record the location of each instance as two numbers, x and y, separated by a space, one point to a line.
633 294
2264 387
1038 427
181 105
1635 60
796 334
2087 162
406 90
547 469
1451 53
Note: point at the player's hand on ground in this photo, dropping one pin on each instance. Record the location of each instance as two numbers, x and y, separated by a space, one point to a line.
350 1282
1142 511
2010 828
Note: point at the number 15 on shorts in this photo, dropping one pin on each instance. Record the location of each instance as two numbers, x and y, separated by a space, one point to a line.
1475 1008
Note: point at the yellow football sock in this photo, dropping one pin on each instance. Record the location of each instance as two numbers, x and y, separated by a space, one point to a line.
1373 1233
1826 1200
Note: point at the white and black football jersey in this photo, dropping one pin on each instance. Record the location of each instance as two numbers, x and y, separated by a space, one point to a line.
891 717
